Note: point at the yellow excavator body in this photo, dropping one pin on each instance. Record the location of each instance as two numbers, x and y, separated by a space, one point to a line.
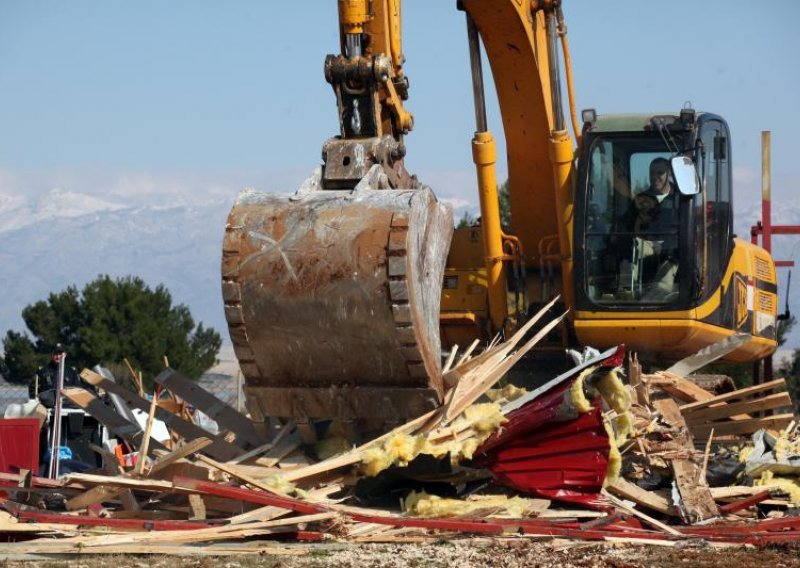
339 297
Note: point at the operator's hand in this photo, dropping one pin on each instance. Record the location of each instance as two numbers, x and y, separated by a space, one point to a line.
645 204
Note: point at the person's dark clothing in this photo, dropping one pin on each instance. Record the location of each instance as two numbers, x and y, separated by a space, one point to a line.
48 381
652 220
657 220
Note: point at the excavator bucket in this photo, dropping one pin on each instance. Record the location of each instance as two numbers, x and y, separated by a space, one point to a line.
332 300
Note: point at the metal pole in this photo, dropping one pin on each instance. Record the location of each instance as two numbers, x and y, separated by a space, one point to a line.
56 441
766 191
766 216
239 393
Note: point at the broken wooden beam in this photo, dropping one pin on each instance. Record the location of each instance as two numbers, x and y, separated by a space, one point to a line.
225 415
740 427
632 492
695 494
219 449
106 415
725 411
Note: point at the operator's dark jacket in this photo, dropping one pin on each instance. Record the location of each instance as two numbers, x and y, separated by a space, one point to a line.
659 222
662 219
48 380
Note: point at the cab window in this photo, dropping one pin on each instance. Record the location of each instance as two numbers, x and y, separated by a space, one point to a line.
631 224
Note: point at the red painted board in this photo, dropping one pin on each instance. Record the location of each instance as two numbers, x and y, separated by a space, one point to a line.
19 444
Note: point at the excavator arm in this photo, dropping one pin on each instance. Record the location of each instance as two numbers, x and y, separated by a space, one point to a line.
521 43
332 295
371 46
367 78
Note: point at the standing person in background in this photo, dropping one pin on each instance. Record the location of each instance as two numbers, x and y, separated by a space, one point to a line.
45 382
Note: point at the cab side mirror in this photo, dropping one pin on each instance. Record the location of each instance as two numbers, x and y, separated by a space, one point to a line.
685 175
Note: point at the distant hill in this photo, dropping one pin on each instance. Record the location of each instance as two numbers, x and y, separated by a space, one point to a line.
63 238
72 238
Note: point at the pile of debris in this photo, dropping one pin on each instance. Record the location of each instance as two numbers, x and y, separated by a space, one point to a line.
655 458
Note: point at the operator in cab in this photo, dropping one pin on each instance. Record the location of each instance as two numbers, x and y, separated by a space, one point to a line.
655 219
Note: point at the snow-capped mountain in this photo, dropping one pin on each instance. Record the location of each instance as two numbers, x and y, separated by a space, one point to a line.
67 238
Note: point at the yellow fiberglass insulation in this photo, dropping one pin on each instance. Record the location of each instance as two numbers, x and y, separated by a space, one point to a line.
788 485
614 457
786 448
745 452
508 393
482 417
617 397
577 396
424 505
279 484
331 446
481 420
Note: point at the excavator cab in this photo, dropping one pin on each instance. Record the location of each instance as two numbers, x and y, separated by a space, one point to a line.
656 260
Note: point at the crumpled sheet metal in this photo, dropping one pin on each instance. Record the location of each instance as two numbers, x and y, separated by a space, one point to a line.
547 450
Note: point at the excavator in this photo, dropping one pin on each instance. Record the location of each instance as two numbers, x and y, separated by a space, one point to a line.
341 297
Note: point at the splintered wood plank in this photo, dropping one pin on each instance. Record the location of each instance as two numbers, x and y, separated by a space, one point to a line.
619 504
76 546
148 430
265 513
678 386
219 449
128 431
746 392
695 493
99 494
277 453
118 481
627 490
707 414
738 491
186 449
226 416
739 427
684 389
635 380
473 391
198 507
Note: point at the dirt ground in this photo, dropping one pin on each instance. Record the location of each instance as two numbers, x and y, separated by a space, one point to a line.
510 554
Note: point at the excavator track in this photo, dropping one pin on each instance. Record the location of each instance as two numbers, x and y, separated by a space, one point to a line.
332 300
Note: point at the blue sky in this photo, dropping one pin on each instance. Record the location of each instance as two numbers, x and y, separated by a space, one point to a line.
155 102
191 86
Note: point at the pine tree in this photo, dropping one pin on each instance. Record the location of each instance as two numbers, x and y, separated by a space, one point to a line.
106 322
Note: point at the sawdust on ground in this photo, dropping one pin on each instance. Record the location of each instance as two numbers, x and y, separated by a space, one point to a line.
507 554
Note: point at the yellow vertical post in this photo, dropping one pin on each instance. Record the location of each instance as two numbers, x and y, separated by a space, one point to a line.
561 156
484 154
